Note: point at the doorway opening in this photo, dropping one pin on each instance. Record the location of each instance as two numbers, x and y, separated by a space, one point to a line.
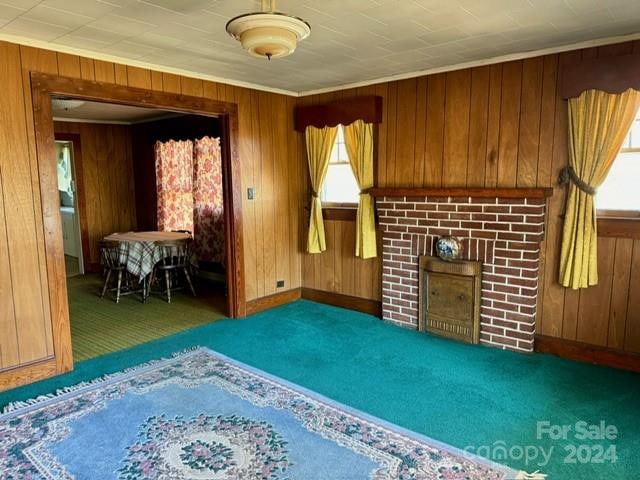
146 176
126 135
69 205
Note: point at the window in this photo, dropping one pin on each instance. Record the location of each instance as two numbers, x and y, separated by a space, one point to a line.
340 186
619 195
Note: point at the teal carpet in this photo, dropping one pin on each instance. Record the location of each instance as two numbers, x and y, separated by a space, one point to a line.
459 394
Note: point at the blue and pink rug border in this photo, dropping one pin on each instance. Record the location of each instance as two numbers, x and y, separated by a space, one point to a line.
17 408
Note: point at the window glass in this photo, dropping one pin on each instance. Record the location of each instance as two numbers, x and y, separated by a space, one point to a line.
621 190
619 193
632 140
340 186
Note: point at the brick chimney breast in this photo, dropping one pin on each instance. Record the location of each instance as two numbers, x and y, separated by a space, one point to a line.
503 233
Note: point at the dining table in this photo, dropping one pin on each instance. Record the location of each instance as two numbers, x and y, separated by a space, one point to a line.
140 251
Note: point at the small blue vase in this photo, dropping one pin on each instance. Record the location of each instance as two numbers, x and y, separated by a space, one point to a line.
449 248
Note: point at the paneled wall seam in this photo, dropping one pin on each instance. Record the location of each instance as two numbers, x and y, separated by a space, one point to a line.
13 302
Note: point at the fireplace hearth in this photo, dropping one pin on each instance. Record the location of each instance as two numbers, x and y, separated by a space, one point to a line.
501 228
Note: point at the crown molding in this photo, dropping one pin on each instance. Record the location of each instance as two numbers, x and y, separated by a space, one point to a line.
401 76
477 63
135 63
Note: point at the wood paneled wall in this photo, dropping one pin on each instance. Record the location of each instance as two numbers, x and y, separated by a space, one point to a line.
107 180
338 270
498 125
609 313
25 317
268 151
502 125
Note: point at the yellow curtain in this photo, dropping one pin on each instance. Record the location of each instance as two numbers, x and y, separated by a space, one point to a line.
598 124
358 138
319 144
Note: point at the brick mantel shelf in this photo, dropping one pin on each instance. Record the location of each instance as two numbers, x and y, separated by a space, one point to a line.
503 228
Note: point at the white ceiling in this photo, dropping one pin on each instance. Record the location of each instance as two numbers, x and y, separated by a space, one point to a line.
109 113
351 40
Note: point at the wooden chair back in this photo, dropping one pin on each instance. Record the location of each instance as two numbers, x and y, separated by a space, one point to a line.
110 254
175 253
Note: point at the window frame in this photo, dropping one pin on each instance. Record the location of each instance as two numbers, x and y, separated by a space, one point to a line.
620 223
339 209
620 214
619 227
348 211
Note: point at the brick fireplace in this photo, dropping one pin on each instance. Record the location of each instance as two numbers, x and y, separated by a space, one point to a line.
502 228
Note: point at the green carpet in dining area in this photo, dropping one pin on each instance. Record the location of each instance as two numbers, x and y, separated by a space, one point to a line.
460 394
100 326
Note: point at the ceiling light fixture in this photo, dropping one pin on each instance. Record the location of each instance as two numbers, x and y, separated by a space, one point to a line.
66 103
268 34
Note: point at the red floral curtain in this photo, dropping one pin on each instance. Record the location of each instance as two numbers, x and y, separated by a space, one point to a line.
208 207
174 184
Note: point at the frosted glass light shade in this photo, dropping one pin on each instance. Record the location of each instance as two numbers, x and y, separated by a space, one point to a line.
268 35
66 103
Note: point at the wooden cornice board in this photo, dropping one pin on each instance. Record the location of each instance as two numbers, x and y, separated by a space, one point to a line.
346 111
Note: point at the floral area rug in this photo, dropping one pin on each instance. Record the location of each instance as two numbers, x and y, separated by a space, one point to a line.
201 415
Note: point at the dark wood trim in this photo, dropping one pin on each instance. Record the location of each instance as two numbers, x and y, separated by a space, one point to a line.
587 353
271 301
365 305
352 205
462 192
43 86
367 108
232 190
621 214
54 250
75 140
124 95
612 74
346 214
28 373
619 227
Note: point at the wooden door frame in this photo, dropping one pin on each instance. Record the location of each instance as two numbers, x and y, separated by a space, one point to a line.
81 202
43 87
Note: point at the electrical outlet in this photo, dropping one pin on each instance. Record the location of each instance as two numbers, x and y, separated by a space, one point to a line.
280 284
250 193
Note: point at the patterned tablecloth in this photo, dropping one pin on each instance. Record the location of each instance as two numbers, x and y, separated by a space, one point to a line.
139 250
